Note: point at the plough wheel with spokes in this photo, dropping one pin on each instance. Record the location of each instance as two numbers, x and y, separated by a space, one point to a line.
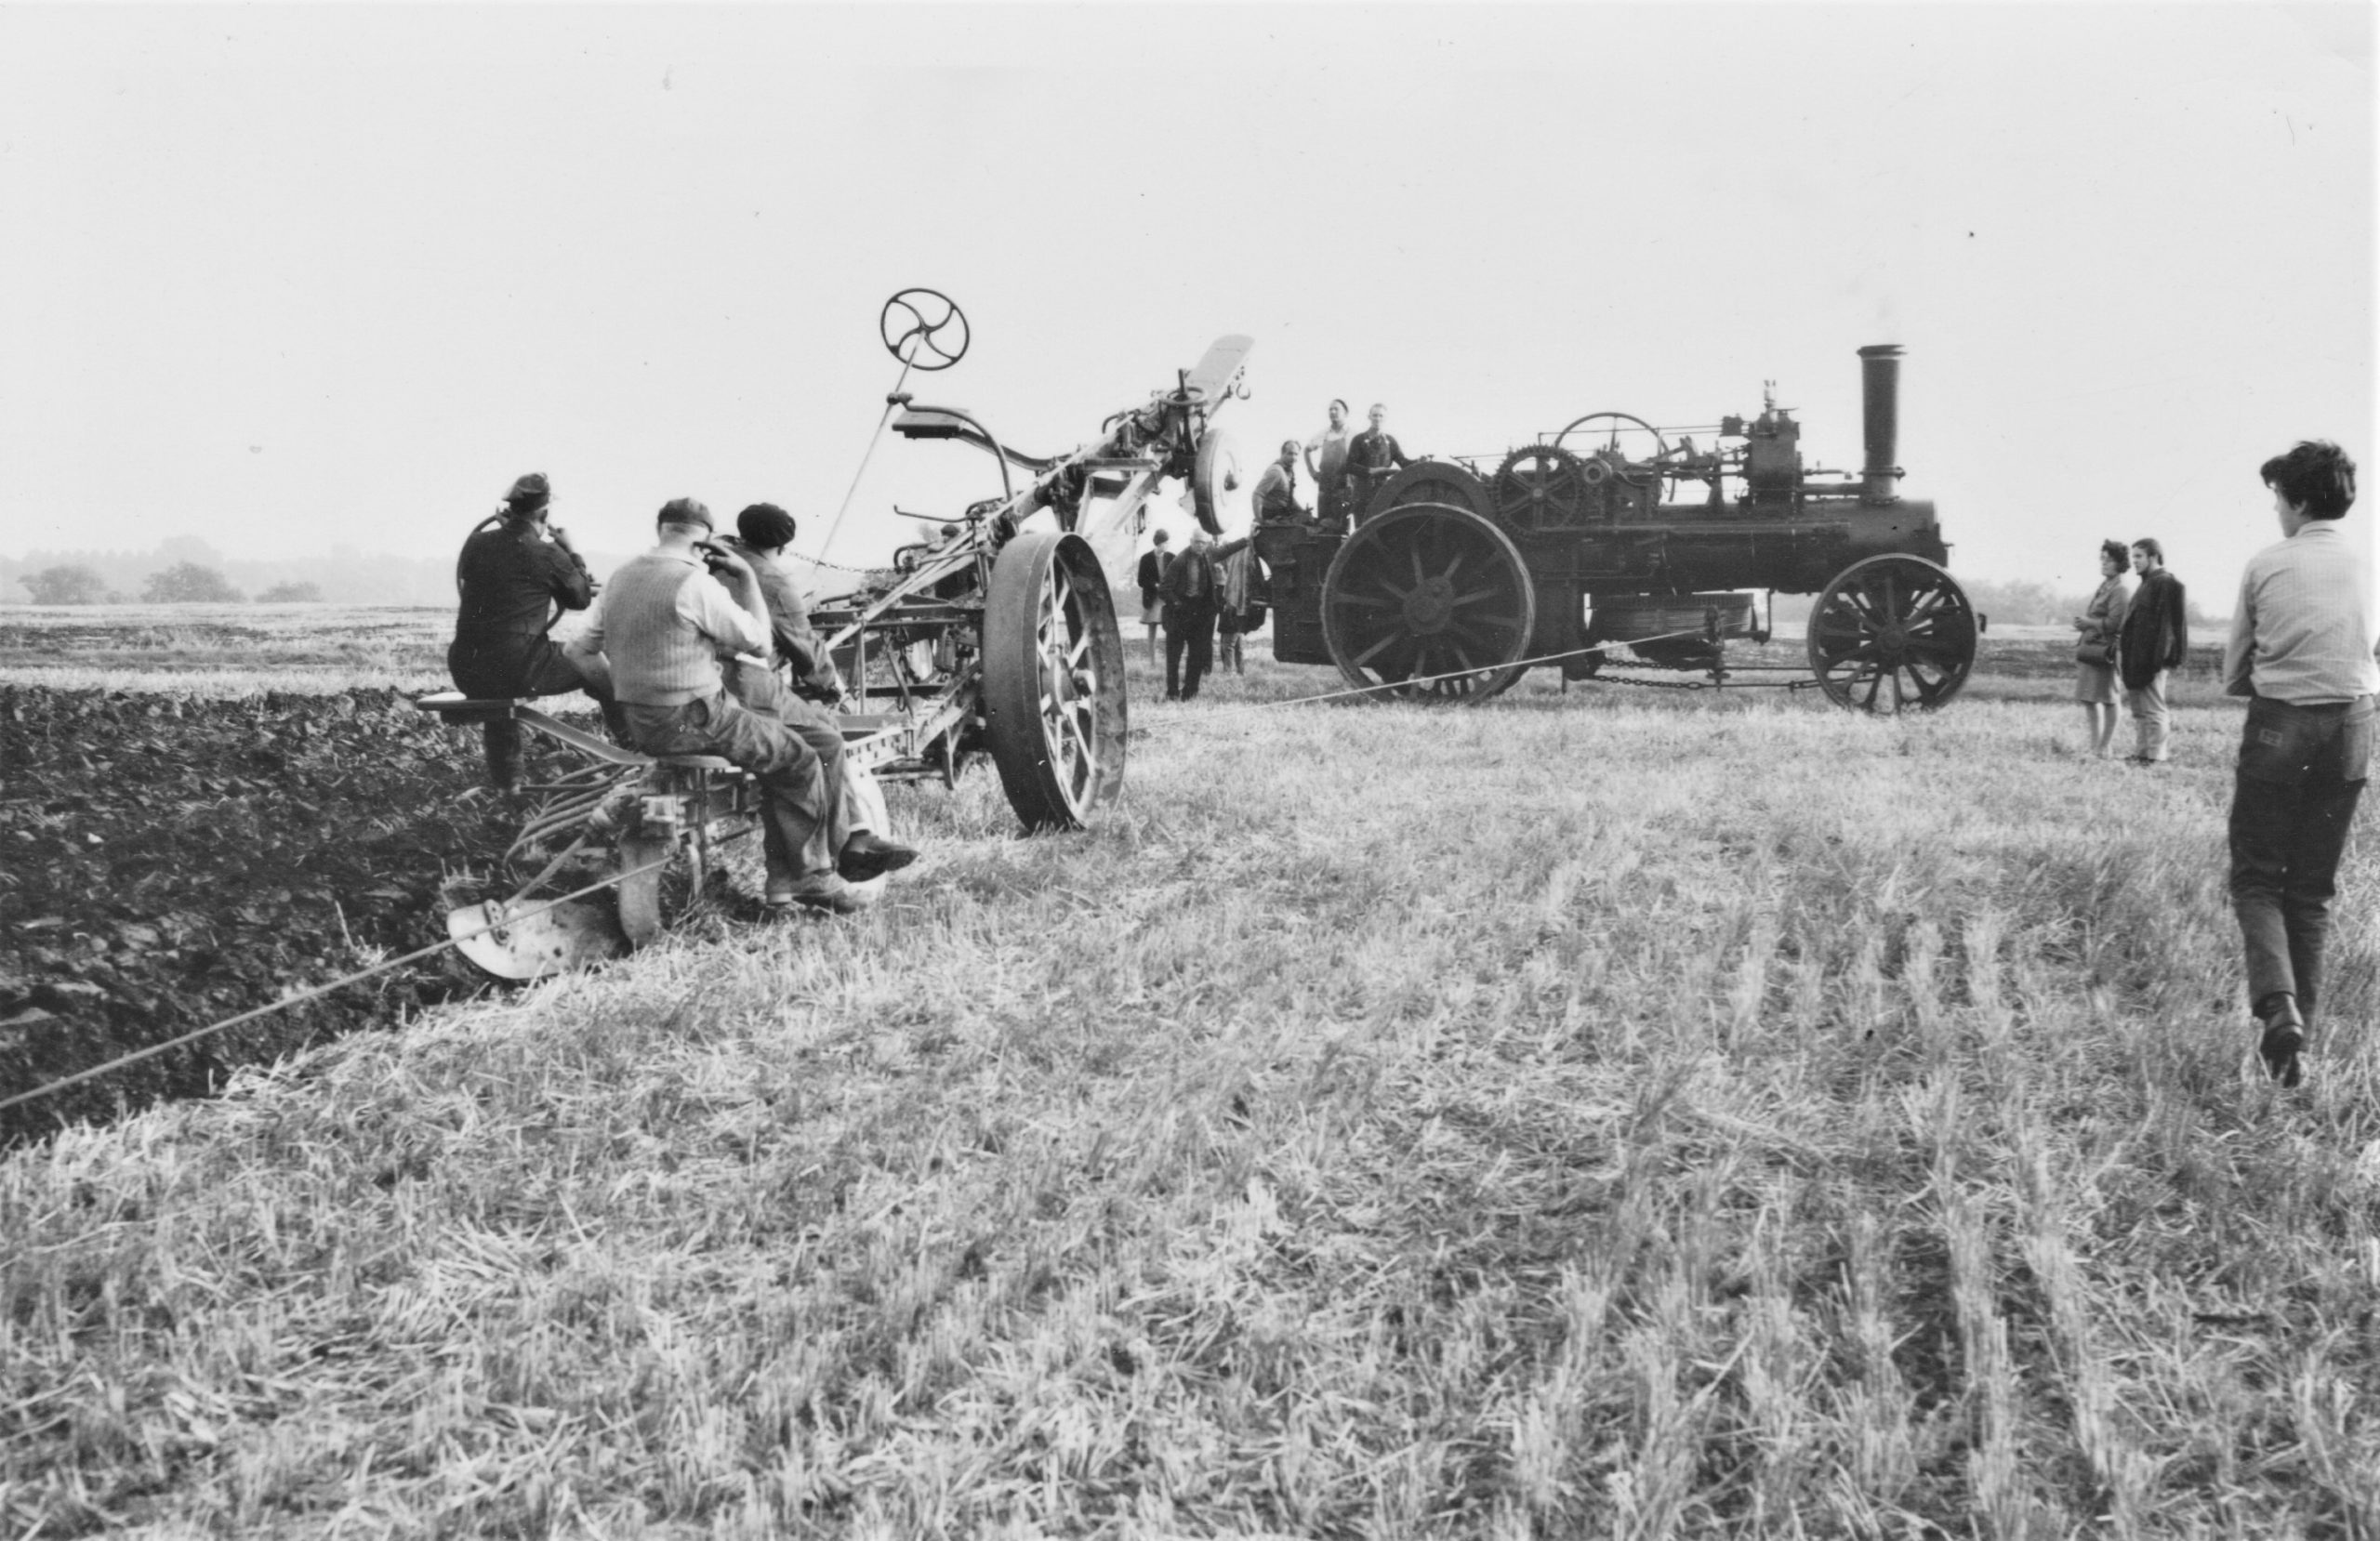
1429 602
1892 634
1053 680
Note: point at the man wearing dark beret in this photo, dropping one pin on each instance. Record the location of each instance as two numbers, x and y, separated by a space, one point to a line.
762 532
517 574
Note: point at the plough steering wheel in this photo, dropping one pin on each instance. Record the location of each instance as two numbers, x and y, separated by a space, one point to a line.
925 329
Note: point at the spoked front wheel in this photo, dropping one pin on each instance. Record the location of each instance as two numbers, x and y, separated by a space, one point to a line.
1892 634
1053 680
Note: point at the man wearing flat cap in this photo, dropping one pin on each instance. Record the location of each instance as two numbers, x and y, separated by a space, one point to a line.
517 574
666 620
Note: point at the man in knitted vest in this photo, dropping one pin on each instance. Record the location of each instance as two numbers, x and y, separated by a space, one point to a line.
664 622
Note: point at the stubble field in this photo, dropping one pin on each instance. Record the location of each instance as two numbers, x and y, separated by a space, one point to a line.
1619 1113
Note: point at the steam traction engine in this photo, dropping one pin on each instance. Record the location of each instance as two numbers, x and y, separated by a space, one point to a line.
1455 579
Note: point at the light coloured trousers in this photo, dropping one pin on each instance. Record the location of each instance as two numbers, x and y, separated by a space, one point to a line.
2152 724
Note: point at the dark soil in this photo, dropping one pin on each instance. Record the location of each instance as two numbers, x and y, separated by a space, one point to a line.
172 862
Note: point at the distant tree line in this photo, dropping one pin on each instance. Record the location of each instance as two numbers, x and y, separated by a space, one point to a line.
187 571
184 583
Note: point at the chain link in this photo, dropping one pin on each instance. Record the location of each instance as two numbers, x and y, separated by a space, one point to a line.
861 572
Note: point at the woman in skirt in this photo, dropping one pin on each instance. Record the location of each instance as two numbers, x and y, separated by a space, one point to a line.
2094 650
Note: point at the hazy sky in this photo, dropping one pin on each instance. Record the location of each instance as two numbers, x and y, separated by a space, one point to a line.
293 278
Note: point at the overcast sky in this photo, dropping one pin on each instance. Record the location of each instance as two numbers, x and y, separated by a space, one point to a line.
288 278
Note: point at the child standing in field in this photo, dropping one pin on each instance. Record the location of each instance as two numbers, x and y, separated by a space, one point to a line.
2094 651
2300 651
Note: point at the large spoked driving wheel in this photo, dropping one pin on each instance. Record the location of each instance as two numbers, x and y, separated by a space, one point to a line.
1053 680
1892 634
1429 602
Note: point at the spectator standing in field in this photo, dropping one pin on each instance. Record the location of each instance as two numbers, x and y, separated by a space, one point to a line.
2152 643
1326 461
803 695
666 620
1238 613
1371 455
2300 651
1154 564
517 573
2094 651
1193 593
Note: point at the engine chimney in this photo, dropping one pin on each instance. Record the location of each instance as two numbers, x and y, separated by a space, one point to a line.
1880 374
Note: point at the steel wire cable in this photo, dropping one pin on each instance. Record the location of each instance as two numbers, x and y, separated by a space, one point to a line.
1386 687
314 991
319 990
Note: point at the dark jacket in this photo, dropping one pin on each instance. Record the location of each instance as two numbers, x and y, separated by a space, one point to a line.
1371 452
1154 564
511 575
2156 634
1196 579
790 633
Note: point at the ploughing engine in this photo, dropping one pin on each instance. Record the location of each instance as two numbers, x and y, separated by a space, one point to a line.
1457 578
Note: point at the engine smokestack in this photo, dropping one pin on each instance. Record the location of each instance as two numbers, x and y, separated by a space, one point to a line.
1880 374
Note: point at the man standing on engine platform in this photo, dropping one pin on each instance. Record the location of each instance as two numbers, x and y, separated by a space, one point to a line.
517 574
1371 455
1326 461
1275 497
666 620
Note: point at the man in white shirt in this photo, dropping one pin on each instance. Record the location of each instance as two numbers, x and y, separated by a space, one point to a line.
1326 461
664 622
2301 650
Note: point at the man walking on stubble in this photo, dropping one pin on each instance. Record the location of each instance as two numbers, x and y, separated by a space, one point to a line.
2300 651
2152 643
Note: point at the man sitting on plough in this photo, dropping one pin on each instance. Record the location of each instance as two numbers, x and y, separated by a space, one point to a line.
664 622
802 687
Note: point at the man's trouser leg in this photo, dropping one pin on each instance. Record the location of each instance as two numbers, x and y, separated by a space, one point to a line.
1177 638
1201 623
793 790
2152 723
2293 803
764 690
511 667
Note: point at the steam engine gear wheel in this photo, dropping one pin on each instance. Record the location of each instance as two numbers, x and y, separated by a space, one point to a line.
1541 488
1892 634
1053 680
1429 589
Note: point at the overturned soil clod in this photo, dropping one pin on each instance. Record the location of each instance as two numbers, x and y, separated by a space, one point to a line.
171 862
